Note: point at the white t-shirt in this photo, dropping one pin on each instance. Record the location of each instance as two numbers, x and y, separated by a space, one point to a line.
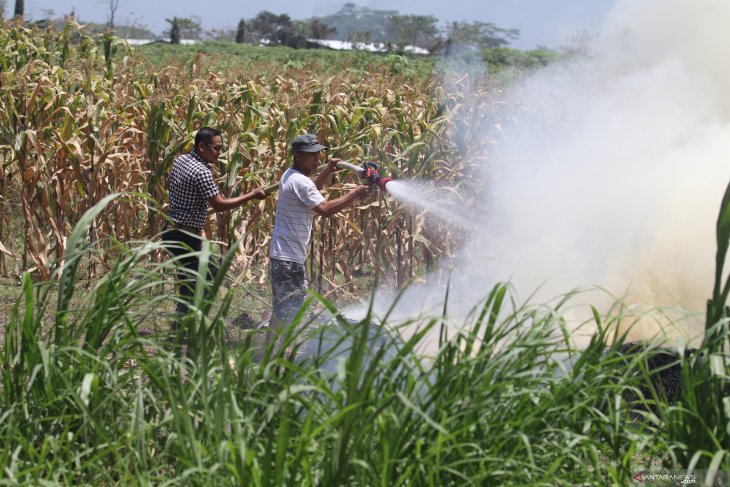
293 224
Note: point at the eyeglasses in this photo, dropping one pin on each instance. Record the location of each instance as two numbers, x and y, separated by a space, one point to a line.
216 147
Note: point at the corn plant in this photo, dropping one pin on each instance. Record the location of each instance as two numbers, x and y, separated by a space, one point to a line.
77 123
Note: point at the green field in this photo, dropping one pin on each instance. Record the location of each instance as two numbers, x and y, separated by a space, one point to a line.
503 63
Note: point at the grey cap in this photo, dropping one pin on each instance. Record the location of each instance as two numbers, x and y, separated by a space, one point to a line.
307 143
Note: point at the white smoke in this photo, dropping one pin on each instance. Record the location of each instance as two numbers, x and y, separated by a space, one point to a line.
615 173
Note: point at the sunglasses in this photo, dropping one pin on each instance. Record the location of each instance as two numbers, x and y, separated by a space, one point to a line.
216 147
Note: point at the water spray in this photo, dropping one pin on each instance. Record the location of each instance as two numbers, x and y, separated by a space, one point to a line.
367 172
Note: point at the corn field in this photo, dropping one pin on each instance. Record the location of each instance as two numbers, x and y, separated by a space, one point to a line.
81 118
87 399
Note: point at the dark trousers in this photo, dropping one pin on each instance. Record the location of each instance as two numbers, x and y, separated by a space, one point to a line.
186 245
288 288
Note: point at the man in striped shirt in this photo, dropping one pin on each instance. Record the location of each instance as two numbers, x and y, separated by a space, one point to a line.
299 200
192 189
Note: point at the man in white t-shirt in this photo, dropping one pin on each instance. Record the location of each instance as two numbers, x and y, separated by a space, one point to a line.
299 200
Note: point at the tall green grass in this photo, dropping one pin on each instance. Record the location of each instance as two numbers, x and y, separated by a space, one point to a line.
507 400
702 421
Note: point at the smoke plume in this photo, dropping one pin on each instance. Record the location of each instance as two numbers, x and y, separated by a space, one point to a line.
612 174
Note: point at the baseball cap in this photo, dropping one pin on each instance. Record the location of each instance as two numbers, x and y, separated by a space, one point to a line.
307 143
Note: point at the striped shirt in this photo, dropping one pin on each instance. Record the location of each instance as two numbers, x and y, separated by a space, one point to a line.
293 224
191 184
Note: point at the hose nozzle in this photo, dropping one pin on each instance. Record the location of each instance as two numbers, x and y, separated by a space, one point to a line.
368 172
371 172
383 181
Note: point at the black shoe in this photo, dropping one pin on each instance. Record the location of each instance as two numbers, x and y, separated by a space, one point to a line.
244 321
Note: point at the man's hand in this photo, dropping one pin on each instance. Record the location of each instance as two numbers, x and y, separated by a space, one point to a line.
332 163
328 208
362 191
258 194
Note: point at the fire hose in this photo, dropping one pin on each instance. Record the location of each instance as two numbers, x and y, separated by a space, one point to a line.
368 172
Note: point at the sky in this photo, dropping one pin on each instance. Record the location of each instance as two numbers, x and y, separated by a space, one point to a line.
547 23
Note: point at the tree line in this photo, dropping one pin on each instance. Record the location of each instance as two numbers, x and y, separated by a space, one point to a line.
359 25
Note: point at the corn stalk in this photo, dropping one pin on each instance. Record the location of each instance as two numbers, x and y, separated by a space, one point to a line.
78 123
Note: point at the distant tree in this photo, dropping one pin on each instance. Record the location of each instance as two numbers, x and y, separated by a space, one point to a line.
351 18
19 8
269 27
190 27
276 29
479 34
174 30
184 28
112 7
319 30
438 45
135 31
414 30
227 35
241 32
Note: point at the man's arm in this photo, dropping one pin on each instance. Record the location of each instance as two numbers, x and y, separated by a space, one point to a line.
328 208
219 203
322 177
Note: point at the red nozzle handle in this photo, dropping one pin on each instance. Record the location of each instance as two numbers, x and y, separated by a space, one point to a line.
383 182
